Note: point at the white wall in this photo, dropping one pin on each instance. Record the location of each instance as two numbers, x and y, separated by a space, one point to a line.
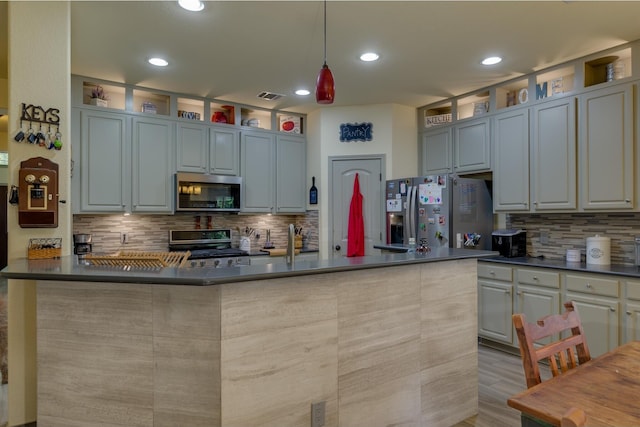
394 136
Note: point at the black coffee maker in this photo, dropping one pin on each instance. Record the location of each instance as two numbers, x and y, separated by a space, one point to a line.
81 245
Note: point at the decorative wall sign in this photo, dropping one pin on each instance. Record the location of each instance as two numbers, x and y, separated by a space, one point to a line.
356 132
42 136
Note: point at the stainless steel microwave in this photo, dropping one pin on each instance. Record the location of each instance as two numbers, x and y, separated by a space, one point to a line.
202 192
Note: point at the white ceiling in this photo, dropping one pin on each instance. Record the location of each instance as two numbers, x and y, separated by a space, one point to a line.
430 50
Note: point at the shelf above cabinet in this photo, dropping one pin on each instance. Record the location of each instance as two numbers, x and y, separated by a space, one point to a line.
114 96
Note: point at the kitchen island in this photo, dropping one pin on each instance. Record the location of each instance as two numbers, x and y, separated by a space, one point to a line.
384 340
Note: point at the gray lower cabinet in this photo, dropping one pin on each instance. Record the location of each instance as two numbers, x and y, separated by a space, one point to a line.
125 163
606 146
204 148
632 311
273 170
495 303
511 161
537 294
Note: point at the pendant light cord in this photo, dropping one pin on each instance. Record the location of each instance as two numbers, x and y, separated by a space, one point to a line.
325 32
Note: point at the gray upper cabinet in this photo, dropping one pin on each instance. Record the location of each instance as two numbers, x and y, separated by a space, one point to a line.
125 163
207 149
472 146
606 144
152 161
191 147
257 166
224 151
105 173
291 180
511 163
553 155
273 170
437 151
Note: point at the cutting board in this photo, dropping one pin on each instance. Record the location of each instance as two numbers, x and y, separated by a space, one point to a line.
278 252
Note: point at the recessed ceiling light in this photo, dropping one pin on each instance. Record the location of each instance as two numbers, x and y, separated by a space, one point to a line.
369 56
492 60
192 5
159 62
302 92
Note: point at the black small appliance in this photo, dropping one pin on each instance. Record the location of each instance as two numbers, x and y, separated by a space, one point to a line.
510 243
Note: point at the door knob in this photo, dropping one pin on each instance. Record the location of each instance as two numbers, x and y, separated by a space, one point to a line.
337 247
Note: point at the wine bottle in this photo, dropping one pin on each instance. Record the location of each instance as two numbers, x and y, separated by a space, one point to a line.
313 192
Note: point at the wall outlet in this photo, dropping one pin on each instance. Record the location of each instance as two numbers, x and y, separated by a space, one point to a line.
544 238
317 414
124 238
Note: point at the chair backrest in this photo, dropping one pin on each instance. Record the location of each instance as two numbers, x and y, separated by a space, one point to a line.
561 354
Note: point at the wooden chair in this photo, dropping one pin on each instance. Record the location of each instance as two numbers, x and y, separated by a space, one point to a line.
561 354
574 417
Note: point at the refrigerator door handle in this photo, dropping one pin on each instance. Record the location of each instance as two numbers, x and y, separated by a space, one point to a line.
412 228
407 217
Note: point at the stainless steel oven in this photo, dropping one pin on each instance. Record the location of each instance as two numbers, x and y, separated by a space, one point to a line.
209 248
203 192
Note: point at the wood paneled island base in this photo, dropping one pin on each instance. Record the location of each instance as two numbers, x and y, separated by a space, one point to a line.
384 346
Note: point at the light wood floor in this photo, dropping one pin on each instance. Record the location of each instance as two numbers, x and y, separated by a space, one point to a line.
500 376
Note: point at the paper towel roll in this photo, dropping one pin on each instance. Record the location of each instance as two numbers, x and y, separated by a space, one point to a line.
598 250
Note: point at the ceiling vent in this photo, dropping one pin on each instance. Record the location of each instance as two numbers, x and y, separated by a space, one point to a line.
269 96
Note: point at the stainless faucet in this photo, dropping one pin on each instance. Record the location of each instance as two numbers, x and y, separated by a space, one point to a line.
290 257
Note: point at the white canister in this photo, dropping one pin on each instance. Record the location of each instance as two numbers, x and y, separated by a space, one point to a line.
245 244
598 250
573 255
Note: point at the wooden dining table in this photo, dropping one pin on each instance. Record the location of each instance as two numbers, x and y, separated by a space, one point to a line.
606 388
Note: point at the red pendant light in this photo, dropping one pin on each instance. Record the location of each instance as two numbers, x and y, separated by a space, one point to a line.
325 87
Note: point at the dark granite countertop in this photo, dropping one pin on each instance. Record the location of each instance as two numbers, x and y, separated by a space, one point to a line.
265 252
68 269
617 269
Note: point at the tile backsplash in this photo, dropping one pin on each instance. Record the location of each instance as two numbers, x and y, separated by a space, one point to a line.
570 231
151 232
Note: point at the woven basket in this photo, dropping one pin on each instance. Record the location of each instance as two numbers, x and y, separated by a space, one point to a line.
44 253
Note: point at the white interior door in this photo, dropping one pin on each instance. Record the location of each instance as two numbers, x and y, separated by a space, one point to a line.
343 172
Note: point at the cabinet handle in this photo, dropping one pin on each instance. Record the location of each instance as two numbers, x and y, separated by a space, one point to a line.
535 277
629 313
535 202
627 201
492 272
508 291
519 293
588 285
612 309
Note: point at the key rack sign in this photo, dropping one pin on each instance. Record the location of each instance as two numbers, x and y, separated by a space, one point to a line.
44 127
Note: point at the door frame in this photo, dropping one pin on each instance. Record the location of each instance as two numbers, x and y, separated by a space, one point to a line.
383 170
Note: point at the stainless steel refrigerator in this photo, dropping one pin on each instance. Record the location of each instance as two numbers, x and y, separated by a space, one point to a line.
440 210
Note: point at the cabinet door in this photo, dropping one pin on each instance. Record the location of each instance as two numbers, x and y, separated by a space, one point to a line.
536 303
437 152
472 147
632 322
291 169
152 147
511 161
606 141
105 174
495 308
191 147
224 151
554 155
257 166
599 317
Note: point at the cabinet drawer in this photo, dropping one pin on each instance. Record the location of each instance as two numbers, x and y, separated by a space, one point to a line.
593 285
491 271
538 278
633 290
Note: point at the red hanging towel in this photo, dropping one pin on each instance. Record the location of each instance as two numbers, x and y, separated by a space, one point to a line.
355 233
